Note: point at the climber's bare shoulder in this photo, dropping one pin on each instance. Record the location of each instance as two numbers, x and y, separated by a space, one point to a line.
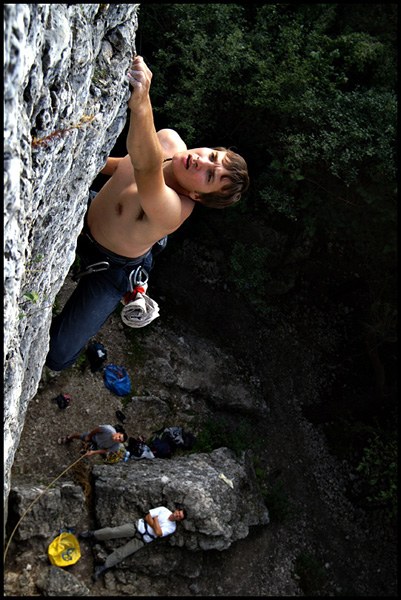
128 218
170 142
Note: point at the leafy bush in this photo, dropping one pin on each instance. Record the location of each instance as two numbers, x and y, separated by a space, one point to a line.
307 94
217 433
248 272
379 468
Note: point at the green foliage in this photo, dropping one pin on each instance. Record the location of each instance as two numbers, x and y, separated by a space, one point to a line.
224 71
379 469
81 362
311 574
307 94
32 296
199 53
217 433
37 259
372 449
56 306
347 437
248 272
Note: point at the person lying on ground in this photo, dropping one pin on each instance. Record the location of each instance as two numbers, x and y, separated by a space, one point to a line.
104 439
150 193
159 522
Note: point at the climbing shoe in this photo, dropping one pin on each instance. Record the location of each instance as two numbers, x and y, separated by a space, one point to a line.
120 416
86 535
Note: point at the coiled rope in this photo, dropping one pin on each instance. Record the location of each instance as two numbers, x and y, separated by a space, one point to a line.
140 312
36 499
81 474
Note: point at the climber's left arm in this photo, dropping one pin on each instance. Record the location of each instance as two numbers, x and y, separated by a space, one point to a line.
100 451
111 165
154 523
165 138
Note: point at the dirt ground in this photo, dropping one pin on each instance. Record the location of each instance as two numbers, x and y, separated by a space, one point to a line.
355 548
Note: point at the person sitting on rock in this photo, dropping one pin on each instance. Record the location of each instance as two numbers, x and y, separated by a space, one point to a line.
159 522
103 438
151 192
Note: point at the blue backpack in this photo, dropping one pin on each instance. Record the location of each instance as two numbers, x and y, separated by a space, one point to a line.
116 380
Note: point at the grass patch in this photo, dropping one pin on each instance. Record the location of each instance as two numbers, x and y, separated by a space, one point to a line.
217 433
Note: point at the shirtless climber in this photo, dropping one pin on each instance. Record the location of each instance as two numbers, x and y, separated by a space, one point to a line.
150 193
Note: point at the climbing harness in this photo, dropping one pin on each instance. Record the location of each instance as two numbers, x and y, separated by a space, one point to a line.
94 268
36 499
140 274
140 536
139 310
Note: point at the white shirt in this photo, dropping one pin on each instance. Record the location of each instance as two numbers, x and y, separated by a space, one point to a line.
166 526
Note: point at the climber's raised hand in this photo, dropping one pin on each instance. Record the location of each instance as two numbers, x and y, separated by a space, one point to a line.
139 76
142 142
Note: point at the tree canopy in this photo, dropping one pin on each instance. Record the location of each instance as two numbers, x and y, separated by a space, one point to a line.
307 94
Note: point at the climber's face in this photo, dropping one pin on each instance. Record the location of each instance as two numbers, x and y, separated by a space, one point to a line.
117 437
199 170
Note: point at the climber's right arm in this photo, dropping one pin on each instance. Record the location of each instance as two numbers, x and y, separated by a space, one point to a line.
161 205
88 437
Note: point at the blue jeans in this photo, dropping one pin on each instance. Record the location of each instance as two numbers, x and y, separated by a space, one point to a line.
96 296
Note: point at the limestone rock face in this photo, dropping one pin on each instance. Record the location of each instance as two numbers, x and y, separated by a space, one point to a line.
61 507
218 490
190 364
65 95
56 582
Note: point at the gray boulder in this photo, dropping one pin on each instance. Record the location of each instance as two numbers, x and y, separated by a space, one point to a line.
60 507
218 490
56 582
191 365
